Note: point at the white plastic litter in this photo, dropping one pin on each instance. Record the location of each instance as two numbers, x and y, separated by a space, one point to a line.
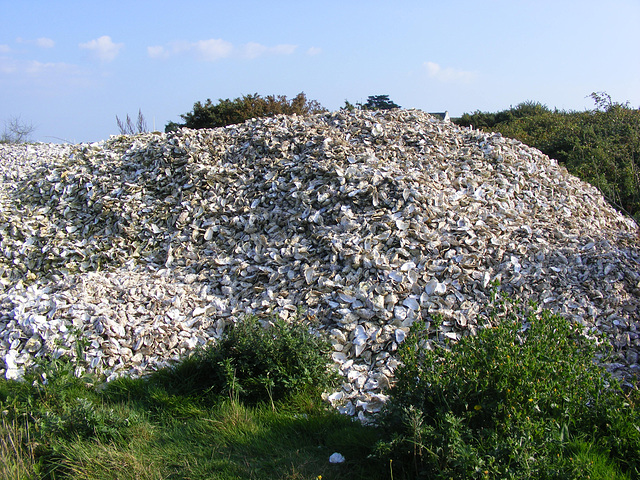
336 458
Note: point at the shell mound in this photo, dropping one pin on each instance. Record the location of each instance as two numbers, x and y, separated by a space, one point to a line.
147 246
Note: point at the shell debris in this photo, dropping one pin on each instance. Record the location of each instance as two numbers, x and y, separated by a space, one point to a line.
147 246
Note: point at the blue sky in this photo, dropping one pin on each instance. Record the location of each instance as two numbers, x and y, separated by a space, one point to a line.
69 67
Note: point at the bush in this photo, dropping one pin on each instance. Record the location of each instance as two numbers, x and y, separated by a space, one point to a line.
228 112
489 120
516 401
253 363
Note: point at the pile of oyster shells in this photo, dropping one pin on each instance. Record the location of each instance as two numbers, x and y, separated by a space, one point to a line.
140 248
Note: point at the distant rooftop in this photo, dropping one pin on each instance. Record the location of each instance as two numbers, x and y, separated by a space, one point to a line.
441 115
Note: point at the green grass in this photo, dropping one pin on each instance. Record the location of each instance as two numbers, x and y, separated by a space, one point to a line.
523 399
16 451
138 429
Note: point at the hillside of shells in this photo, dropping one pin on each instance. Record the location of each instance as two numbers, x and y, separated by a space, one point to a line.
145 247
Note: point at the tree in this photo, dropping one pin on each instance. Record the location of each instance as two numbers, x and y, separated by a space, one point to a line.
379 102
349 106
16 131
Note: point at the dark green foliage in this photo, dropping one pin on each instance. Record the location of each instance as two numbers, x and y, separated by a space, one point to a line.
600 146
374 102
515 401
260 363
228 112
251 363
489 120
349 106
379 102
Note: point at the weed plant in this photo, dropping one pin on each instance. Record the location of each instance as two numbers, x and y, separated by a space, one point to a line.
16 451
522 399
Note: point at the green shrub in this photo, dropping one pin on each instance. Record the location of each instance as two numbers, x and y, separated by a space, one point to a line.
228 112
515 401
487 120
254 364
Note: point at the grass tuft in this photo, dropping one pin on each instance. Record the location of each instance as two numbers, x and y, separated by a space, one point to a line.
17 456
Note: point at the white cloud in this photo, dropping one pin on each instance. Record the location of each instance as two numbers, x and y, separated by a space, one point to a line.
284 49
205 50
253 50
448 74
46 69
44 42
314 51
103 48
35 68
38 78
30 73
215 49
157 52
